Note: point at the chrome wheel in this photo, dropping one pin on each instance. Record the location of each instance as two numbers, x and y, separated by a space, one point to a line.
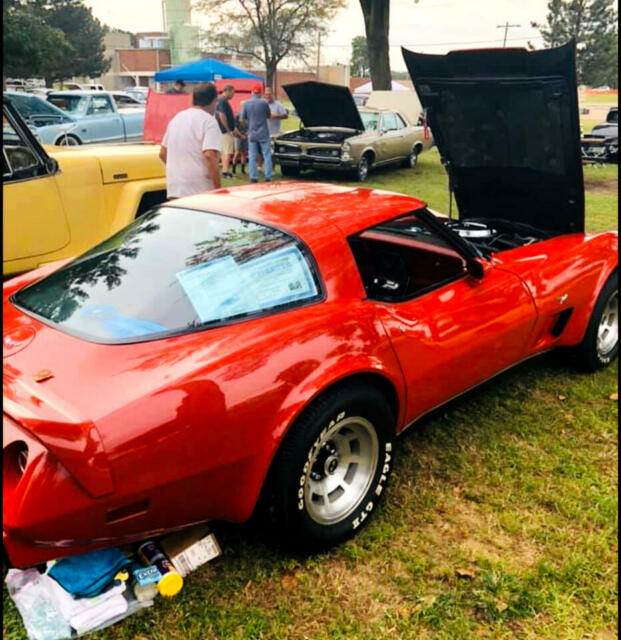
341 468
413 159
608 329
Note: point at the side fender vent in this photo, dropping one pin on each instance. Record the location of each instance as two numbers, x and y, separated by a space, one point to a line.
561 322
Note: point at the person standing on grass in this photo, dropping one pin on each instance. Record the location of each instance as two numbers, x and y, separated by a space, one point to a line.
241 144
191 146
256 113
277 111
226 120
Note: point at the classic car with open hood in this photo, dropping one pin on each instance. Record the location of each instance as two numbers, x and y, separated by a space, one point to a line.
261 347
602 143
338 136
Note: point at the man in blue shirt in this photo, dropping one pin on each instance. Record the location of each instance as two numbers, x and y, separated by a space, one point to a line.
256 113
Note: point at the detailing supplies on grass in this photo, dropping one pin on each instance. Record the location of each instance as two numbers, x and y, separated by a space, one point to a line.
35 603
87 575
85 614
171 581
191 548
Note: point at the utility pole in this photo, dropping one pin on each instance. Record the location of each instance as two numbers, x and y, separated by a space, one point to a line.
506 27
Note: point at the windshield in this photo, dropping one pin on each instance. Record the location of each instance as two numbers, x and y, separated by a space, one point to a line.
70 103
173 271
613 116
32 105
370 120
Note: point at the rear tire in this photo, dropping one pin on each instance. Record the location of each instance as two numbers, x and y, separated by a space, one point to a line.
412 160
600 345
331 469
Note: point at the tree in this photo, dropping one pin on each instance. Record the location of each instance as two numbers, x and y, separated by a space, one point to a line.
84 32
376 22
57 39
268 30
593 24
28 43
359 57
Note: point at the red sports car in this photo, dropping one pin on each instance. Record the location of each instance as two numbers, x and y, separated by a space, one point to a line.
264 345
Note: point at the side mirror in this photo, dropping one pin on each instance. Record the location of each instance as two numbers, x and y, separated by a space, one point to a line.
51 166
477 268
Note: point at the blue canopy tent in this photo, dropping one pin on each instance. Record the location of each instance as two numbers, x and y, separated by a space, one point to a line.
205 70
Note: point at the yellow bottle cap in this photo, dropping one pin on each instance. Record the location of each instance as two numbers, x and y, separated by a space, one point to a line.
170 584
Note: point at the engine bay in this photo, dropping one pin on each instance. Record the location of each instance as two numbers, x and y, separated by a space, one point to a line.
492 235
312 135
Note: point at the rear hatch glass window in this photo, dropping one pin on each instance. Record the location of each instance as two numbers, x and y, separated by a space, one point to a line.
174 271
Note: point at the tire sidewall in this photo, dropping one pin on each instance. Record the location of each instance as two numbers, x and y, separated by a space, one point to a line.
593 358
374 408
363 177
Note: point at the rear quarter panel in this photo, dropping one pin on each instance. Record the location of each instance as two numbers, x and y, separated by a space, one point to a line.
564 272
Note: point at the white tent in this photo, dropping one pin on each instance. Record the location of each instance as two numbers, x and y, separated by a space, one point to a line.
365 89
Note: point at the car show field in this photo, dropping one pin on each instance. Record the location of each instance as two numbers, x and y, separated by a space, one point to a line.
487 487
348 376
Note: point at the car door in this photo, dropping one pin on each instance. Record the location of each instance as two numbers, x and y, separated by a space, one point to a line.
449 329
34 221
391 138
105 124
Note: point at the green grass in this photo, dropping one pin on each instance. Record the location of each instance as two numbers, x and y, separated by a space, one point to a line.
515 482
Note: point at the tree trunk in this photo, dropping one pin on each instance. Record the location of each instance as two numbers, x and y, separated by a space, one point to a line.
376 22
270 75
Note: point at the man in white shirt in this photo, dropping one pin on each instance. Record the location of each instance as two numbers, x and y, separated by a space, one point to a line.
277 111
191 146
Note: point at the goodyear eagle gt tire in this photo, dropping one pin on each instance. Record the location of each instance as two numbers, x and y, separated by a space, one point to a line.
332 469
600 345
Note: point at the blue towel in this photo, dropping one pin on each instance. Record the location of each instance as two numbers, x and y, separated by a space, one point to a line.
88 574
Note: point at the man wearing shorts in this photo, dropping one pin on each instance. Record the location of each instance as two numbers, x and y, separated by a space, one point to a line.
226 119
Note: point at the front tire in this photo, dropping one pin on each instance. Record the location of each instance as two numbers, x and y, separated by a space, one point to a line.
68 140
600 345
362 170
289 172
332 469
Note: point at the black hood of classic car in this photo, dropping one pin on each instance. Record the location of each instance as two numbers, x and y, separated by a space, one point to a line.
506 124
324 105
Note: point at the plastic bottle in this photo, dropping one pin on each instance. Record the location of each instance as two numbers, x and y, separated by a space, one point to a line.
171 581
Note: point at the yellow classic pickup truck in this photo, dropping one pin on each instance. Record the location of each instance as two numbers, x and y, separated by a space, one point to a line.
60 201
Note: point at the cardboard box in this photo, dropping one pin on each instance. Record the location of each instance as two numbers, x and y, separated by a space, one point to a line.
191 548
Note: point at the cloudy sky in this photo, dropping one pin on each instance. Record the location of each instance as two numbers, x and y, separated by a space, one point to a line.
431 26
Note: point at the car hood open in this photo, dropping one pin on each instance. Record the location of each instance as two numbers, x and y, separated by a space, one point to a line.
506 124
320 104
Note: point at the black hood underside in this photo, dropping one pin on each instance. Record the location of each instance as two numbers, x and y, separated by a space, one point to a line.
506 124
320 104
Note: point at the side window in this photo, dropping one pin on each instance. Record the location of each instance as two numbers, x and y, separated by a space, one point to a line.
399 120
18 159
403 258
389 122
100 105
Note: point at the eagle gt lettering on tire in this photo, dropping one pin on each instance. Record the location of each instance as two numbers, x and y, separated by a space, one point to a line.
332 468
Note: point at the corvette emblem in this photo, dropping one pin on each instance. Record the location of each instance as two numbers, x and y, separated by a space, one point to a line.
563 298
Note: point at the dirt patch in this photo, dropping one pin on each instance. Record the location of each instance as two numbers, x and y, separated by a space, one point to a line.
609 185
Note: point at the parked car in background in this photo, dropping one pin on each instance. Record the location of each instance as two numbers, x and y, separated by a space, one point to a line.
74 86
140 93
124 99
602 144
71 128
98 118
337 136
60 202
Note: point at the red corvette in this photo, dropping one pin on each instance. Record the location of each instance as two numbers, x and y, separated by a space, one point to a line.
272 340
